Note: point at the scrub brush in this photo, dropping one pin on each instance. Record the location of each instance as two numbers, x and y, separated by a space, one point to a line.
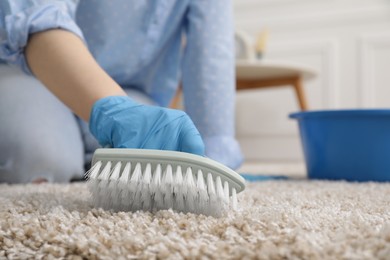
151 180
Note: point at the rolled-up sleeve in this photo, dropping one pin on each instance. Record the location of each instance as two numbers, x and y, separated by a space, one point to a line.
209 78
19 19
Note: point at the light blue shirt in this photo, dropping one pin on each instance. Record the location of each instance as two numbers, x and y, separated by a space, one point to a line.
139 44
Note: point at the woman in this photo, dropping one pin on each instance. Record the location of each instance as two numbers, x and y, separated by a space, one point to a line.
115 64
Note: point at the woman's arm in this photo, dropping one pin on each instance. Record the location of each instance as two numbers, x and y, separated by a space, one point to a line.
209 78
63 63
59 58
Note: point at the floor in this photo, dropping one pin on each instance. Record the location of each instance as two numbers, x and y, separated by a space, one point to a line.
279 219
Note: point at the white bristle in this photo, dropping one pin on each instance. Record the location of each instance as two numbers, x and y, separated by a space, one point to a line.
234 199
223 203
213 201
210 184
124 194
155 189
145 197
105 174
93 182
203 197
226 191
134 187
113 191
178 190
219 188
200 181
93 173
125 176
191 192
157 177
168 176
116 171
137 174
102 186
147 174
149 187
178 178
167 187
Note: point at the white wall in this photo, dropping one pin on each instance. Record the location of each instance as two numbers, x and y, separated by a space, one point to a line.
346 41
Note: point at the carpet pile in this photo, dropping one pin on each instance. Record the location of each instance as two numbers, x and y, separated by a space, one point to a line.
282 219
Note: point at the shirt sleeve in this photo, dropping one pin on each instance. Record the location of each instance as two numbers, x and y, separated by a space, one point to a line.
19 19
208 76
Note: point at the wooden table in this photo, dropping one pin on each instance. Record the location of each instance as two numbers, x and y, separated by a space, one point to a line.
256 74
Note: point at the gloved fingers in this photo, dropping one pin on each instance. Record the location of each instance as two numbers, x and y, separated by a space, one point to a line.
178 134
103 122
190 138
193 144
122 123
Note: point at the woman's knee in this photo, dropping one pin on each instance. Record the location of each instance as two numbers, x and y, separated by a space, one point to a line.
39 136
24 164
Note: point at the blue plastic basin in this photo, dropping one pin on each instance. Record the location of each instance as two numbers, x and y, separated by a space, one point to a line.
351 145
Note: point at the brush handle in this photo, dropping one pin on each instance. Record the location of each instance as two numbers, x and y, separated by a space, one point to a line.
173 158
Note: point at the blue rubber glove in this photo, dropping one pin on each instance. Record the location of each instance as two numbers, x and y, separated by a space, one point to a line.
120 122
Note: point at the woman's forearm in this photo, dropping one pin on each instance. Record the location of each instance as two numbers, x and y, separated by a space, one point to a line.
61 61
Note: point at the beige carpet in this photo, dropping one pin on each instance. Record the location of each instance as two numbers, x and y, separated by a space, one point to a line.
278 220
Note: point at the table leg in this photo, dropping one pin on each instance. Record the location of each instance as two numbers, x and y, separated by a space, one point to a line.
176 101
300 93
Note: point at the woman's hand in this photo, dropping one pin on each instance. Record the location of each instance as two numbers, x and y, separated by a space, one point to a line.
120 122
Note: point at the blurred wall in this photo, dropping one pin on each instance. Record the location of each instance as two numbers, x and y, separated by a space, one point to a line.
346 41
